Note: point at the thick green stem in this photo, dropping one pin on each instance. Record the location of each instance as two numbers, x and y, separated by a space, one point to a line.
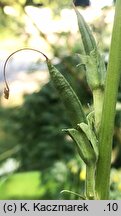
108 113
98 103
90 182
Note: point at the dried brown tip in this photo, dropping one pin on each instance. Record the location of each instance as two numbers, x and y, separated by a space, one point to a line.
6 93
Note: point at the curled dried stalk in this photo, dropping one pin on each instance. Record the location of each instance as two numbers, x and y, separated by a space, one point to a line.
6 88
67 94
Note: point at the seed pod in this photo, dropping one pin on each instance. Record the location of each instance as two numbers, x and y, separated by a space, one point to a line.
83 145
90 136
68 96
88 39
94 63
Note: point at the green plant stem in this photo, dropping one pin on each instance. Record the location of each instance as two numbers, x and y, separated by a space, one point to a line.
108 113
98 95
90 182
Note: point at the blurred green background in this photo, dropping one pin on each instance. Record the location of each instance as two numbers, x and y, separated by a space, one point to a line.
37 160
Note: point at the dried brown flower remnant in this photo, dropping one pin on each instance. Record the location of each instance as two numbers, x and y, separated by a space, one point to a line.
6 92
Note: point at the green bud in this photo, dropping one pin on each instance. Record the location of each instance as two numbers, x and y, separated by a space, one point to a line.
95 69
93 61
89 133
83 145
88 40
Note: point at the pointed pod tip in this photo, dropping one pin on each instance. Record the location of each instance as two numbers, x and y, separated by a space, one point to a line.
71 192
66 130
45 56
62 191
49 64
73 5
75 9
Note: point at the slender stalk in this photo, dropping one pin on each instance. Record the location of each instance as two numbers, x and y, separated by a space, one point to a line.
98 95
90 182
108 113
